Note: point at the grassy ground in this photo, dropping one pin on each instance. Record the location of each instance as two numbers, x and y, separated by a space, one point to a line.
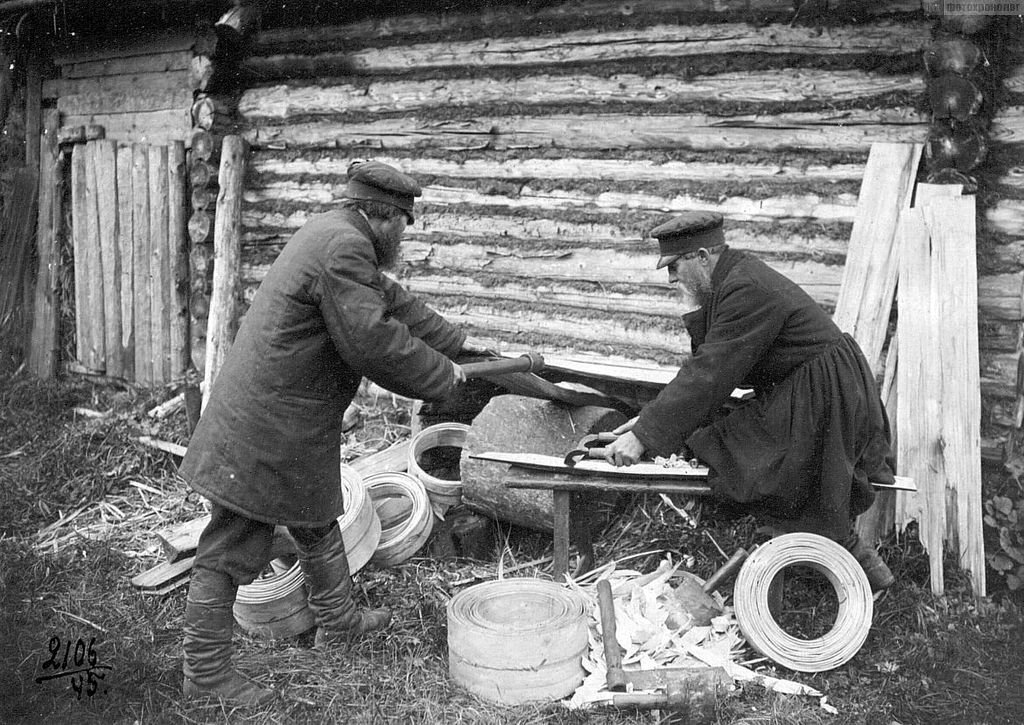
80 499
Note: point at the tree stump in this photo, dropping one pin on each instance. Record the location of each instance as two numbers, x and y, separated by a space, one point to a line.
514 423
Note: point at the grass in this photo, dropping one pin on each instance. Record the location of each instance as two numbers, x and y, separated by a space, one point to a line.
80 499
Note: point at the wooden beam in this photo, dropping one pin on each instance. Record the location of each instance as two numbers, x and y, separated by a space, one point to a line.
149 63
44 346
33 109
223 319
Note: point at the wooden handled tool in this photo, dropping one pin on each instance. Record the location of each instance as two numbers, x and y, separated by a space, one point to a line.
527 363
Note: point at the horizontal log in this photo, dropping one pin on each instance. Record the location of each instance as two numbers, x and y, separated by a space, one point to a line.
803 206
149 82
152 127
150 63
588 46
780 86
140 98
515 16
102 47
567 168
853 130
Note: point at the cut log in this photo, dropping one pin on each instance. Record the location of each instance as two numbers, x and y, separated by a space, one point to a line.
519 424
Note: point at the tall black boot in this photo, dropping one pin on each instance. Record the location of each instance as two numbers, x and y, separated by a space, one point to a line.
325 568
209 624
879 575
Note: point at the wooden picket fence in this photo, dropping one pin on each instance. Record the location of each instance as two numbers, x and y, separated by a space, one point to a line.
130 255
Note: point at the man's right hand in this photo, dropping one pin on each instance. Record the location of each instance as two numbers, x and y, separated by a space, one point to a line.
626 427
624 450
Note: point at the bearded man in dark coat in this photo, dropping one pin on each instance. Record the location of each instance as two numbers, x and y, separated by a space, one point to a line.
807 448
266 451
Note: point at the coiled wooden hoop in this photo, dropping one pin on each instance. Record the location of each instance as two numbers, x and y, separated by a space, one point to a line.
517 640
400 541
442 493
853 619
360 525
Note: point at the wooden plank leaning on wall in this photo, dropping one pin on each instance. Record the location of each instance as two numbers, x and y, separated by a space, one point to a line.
44 345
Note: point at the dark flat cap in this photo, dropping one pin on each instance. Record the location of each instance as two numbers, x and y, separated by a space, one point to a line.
687 232
374 181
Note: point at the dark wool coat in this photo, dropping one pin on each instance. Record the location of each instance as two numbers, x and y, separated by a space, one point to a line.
805 448
268 442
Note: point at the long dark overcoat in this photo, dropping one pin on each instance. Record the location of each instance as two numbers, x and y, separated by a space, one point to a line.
268 442
816 432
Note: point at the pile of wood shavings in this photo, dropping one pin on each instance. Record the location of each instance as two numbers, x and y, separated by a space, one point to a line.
654 630
675 461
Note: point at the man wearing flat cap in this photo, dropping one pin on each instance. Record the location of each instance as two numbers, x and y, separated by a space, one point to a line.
266 451
806 447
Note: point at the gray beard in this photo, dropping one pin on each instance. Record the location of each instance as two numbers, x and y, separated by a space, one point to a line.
387 250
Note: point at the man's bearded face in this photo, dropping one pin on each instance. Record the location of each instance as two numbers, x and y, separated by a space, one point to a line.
389 241
693 282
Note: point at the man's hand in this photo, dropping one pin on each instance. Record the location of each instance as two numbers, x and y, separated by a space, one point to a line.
625 450
626 427
471 348
460 374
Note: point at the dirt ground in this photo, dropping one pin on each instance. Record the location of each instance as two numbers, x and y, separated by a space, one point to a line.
81 497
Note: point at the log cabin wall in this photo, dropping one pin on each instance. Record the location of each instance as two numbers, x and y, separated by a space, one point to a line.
549 142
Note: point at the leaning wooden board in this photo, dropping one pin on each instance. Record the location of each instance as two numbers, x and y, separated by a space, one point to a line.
636 471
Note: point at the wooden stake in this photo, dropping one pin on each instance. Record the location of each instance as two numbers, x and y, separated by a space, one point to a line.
141 252
104 154
44 346
227 255
126 251
159 264
178 260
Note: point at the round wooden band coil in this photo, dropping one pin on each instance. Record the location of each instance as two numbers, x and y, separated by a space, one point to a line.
440 491
274 606
853 619
360 525
399 542
517 640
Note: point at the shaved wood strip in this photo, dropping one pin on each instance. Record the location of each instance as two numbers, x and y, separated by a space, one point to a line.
126 252
869 276
44 345
852 130
585 46
776 86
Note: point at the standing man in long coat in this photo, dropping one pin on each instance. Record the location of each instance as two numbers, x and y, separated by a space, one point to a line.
266 450
806 448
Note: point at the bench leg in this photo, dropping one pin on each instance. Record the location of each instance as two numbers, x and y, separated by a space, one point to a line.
581 512
560 561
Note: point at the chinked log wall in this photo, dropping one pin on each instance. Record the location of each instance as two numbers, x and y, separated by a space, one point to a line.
551 142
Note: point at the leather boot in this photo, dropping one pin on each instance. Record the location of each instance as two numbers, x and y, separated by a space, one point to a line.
325 568
879 576
209 623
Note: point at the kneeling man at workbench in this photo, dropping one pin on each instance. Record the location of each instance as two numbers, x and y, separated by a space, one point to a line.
805 449
266 450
